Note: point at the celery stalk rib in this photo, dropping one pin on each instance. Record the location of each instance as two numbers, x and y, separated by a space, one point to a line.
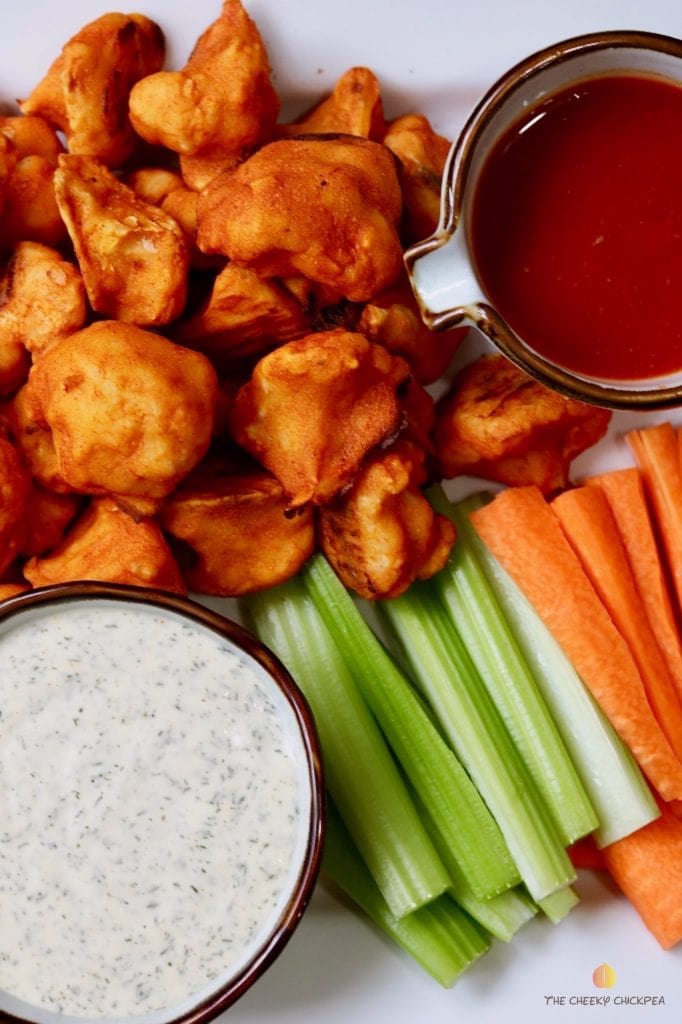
449 681
440 936
471 603
612 779
459 814
360 772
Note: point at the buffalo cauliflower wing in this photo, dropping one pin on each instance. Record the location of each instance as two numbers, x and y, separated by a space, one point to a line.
353 108
422 154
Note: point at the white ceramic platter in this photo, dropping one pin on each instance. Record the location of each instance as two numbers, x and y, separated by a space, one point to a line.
437 57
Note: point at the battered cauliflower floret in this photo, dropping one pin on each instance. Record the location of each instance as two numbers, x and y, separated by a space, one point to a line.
108 545
235 520
15 488
127 413
422 154
133 257
500 424
85 92
47 516
315 407
30 210
383 534
326 208
219 107
353 108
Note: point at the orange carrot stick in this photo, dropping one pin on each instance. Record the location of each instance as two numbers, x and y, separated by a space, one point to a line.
524 535
624 491
588 523
657 452
647 866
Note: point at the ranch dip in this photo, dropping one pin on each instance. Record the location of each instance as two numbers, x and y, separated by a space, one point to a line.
155 808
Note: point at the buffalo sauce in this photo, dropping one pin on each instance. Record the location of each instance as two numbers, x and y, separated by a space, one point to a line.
576 227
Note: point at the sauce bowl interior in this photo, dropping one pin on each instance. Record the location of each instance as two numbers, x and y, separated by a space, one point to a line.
26 617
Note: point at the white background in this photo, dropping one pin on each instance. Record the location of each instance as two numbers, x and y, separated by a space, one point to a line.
437 57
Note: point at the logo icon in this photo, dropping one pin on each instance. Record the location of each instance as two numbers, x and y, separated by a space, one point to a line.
604 976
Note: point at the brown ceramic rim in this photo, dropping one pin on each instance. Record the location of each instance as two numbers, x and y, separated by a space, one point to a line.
455 176
242 638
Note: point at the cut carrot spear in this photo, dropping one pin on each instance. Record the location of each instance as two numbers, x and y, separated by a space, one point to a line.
647 866
587 521
624 492
657 452
524 535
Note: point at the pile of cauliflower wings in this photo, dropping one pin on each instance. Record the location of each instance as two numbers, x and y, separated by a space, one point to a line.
211 361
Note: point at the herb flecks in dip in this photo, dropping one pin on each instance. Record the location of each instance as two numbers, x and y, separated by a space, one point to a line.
151 808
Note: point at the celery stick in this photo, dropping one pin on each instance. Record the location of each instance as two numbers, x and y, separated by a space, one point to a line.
610 775
469 831
449 681
360 772
472 606
440 936
559 904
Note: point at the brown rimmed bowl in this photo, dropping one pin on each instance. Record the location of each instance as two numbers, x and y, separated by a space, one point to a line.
27 611
441 268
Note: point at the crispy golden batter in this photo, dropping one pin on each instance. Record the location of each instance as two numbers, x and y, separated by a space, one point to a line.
85 92
133 256
34 439
219 106
326 208
314 408
42 299
47 516
244 317
15 488
31 136
392 319
383 534
12 589
500 424
422 153
31 211
108 545
235 521
130 413
153 184
353 108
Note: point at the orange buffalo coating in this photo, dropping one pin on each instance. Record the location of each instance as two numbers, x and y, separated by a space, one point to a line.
85 92
500 424
326 208
30 210
47 516
383 534
106 544
116 410
220 106
8 590
422 154
244 317
235 521
133 257
353 108
15 488
315 407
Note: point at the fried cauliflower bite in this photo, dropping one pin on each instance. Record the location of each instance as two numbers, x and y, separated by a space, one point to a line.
42 299
86 90
500 424
8 590
422 154
153 184
30 209
129 413
353 108
235 520
133 257
220 106
108 545
392 319
383 534
33 438
243 317
326 208
315 407
47 516
15 488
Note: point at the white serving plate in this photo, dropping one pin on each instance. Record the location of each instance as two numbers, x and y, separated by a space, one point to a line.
436 57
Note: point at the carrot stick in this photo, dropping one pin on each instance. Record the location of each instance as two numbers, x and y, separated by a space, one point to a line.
585 853
657 452
624 490
523 533
587 521
647 866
